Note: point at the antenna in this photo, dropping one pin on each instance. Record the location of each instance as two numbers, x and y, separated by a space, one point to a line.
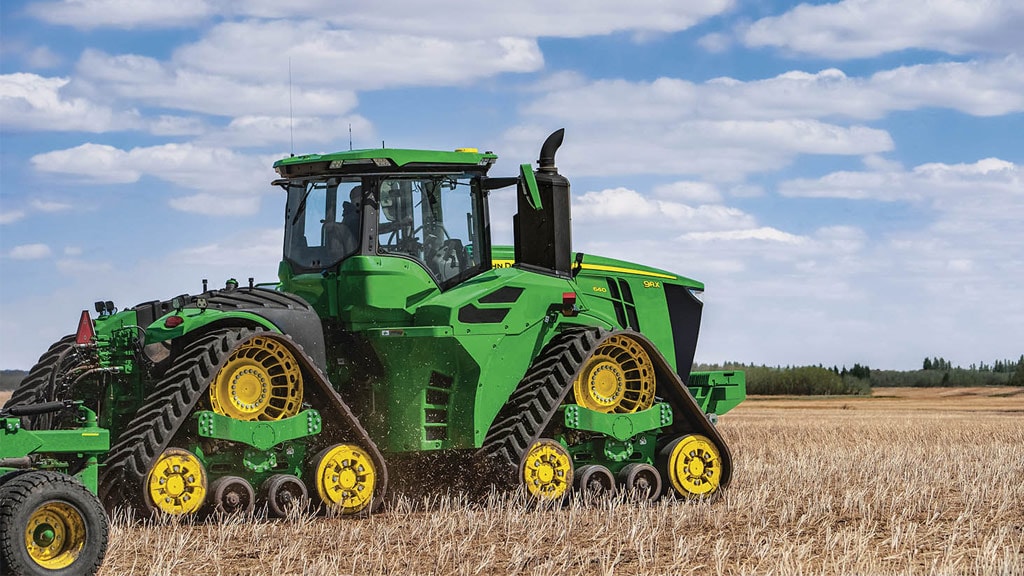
349 135
291 115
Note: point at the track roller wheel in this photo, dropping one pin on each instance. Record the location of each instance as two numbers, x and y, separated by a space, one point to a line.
546 470
176 483
345 478
232 495
594 480
617 378
261 380
283 493
641 481
693 465
50 524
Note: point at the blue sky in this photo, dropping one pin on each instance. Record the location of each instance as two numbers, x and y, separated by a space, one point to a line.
845 177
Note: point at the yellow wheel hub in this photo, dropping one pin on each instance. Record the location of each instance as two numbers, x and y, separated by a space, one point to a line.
260 381
694 466
176 483
618 377
547 470
55 535
345 478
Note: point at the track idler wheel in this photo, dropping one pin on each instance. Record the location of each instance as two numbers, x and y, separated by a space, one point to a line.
176 484
261 380
618 377
693 466
345 479
594 481
232 495
641 482
546 470
284 493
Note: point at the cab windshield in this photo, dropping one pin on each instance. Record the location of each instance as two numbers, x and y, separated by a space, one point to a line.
435 221
439 221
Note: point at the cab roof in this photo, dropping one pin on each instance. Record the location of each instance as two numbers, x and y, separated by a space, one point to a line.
386 160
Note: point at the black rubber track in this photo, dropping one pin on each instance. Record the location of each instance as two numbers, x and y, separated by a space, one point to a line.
176 396
21 496
41 385
529 411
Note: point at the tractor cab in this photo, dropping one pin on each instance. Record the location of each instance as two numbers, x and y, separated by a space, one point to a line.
425 206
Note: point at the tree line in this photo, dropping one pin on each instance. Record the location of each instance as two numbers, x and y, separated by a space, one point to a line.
860 379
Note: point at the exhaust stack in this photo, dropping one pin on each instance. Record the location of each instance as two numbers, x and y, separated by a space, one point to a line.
543 233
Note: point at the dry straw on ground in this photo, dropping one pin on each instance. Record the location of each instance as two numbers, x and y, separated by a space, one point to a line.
920 483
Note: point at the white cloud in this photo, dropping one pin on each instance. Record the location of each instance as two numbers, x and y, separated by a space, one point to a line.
42 57
50 206
715 42
220 173
452 18
146 80
30 252
306 132
689 191
866 28
356 59
121 14
11 216
33 102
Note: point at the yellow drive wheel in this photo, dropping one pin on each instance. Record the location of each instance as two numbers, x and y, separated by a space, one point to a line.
546 470
260 381
694 465
618 377
345 478
55 535
176 483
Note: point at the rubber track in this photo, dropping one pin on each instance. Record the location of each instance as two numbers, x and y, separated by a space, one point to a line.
175 397
523 419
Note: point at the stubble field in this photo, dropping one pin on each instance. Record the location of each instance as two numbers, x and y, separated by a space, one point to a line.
905 482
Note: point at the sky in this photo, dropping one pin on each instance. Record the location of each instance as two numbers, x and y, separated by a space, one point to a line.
846 178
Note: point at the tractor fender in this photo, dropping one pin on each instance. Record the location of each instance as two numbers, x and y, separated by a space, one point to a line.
271 310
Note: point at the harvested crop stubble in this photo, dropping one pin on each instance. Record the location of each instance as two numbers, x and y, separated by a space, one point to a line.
817 490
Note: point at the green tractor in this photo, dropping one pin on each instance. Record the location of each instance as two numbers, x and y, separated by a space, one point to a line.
399 347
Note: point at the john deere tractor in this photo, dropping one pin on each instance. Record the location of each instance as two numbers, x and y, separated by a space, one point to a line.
400 346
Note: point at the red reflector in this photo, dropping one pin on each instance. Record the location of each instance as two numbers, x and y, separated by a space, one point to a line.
85 332
568 298
173 321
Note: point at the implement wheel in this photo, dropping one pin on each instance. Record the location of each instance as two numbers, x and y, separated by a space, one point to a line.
50 524
546 470
345 478
617 378
693 466
261 380
176 484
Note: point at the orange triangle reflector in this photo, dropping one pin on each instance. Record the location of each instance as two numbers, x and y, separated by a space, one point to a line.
85 331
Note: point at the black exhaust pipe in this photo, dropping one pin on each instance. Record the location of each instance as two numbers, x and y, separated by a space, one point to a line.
546 162
544 237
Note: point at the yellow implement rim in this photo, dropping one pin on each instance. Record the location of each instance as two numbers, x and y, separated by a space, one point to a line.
176 483
695 466
345 478
55 535
260 381
547 470
618 377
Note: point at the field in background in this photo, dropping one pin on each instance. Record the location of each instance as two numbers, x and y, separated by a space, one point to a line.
910 481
